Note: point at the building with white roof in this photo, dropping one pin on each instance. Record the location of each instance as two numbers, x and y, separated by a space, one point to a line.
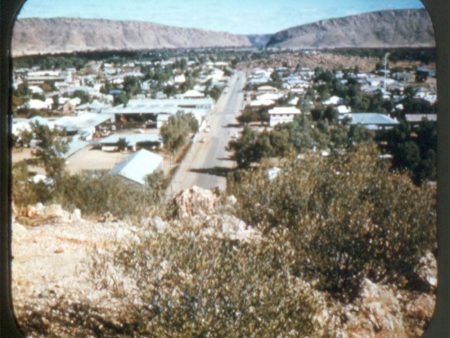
333 101
267 89
138 166
151 109
282 115
192 94
262 103
372 121
270 96
39 104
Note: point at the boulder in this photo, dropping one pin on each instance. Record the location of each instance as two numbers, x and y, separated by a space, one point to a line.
195 201
376 313
427 270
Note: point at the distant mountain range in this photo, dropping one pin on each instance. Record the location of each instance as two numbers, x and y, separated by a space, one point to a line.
391 28
66 35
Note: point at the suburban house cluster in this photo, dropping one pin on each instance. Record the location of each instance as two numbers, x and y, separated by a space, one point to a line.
287 100
84 102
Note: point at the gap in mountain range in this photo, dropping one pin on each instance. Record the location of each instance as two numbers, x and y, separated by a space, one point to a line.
381 29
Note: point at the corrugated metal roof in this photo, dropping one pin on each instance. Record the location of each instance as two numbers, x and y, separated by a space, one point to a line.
156 106
83 121
130 138
284 110
74 145
70 123
137 166
370 120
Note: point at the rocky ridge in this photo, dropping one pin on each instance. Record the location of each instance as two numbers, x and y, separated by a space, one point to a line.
68 35
52 286
383 29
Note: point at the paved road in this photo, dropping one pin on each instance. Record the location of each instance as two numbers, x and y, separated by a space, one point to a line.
207 161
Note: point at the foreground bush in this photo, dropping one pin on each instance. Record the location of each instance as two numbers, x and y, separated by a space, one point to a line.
93 193
96 194
348 217
190 285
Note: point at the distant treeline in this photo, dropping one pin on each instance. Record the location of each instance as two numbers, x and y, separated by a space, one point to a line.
78 60
425 55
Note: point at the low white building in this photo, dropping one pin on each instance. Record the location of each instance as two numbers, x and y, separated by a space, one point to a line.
333 101
343 109
270 96
40 105
282 115
267 89
262 103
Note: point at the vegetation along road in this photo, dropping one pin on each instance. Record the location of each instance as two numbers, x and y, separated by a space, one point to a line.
207 161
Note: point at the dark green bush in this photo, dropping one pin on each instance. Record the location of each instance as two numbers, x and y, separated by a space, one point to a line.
96 194
349 217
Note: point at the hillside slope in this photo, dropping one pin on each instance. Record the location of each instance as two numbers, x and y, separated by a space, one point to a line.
391 28
66 35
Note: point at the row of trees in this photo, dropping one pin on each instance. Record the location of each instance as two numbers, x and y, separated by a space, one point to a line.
300 136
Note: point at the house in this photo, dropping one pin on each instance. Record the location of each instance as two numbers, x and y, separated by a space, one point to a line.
419 118
333 101
282 115
343 109
262 103
138 166
270 96
39 105
267 89
372 121
178 79
192 94
294 101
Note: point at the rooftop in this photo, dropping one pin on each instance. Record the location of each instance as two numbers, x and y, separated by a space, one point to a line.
137 166
284 110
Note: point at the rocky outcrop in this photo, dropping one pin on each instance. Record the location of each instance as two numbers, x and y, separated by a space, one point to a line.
67 35
382 29
376 313
56 251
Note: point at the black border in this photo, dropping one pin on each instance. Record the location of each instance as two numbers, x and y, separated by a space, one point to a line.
439 11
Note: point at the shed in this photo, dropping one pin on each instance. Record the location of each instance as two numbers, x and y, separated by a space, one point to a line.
138 166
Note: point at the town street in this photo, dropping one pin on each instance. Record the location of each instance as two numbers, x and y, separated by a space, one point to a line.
206 163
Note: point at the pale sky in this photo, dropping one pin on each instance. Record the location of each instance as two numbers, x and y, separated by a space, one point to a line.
234 16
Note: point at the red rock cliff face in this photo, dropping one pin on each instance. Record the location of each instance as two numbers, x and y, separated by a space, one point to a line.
66 35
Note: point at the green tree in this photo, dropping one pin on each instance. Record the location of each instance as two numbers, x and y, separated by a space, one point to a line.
177 129
122 144
51 147
131 85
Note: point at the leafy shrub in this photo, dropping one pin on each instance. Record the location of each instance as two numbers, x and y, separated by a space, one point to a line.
175 132
190 285
25 192
96 194
349 217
